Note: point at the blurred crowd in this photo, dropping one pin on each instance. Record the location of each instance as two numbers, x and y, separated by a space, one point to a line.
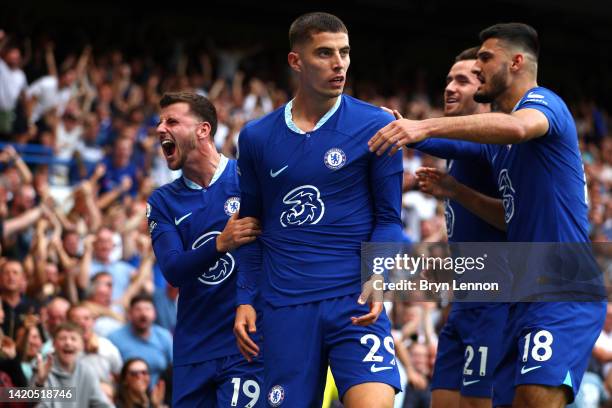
83 301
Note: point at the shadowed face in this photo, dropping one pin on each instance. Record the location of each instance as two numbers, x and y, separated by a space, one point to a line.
13 58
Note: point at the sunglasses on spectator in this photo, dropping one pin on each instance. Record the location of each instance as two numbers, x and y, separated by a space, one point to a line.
136 373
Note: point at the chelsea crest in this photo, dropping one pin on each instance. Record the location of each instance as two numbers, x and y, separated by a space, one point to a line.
334 158
231 206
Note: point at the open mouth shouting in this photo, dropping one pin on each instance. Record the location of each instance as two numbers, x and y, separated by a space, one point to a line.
169 147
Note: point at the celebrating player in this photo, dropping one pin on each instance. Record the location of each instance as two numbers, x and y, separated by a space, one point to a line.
469 345
541 180
307 175
194 225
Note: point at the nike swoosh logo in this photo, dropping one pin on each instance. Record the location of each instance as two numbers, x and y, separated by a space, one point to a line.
276 173
535 96
178 221
375 369
526 370
466 383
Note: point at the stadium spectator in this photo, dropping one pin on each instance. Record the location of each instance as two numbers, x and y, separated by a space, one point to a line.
53 314
13 83
87 152
119 167
99 352
17 307
121 271
134 386
142 338
29 343
54 91
108 314
68 133
420 359
65 369
11 373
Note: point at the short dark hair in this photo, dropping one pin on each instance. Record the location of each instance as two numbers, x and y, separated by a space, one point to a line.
198 106
68 326
519 34
10 45
9 261
68 231
126 366
141 297
96 276
468 54
80 305
308 24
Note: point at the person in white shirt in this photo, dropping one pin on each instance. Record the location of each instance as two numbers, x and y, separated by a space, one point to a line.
13 82
55 90
50 92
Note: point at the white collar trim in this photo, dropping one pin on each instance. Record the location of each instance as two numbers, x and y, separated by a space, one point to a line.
220 168
289 117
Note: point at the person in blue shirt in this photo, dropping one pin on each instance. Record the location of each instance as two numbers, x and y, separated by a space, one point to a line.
532 145
142 338
306 174
194 228
469 344
120 166
165 300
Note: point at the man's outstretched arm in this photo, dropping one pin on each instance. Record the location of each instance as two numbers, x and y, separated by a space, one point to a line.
490 128
445 148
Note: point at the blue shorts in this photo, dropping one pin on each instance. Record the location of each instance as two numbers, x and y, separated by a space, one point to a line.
549 343
469 349
301 341
224 382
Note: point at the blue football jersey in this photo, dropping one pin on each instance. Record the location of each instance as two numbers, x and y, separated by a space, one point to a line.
541 182
319 195
543 190
184 220
461 224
